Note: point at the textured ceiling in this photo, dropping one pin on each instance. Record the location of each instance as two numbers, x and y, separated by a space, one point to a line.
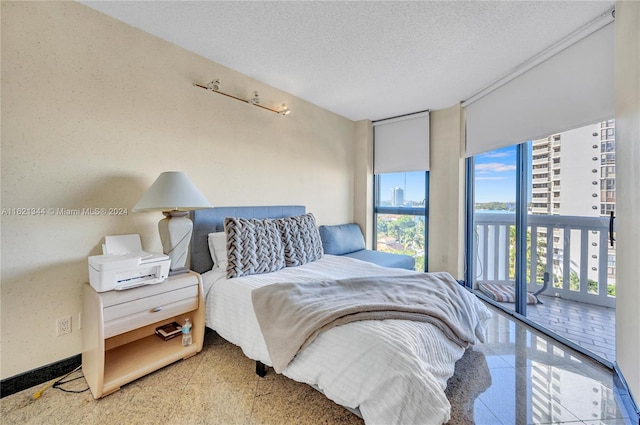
360 59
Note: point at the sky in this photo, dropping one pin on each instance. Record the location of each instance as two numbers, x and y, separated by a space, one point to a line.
496 176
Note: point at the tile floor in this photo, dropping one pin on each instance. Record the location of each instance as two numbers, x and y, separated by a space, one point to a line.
517 377
590 326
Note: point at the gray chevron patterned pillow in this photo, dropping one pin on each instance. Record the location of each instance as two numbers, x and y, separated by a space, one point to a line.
253 246
301 239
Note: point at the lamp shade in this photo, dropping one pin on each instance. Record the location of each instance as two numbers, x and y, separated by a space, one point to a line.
172 190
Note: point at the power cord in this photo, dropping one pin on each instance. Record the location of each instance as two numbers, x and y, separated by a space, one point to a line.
60 382
57 384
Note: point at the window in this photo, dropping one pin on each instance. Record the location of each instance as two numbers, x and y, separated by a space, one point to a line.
401 172
608 184
400 214
606 209
609 158
608 171
609 146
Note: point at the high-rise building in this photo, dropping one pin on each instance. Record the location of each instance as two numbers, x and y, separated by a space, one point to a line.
607 167
573 174
397 197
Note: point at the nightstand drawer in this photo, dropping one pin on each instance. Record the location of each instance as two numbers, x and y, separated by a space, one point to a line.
121 318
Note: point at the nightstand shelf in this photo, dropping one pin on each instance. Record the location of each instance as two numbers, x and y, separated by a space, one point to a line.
119 340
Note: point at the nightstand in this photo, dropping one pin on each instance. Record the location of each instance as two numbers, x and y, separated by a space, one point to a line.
119 343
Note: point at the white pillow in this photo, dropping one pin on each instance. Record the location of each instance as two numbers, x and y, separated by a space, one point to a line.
218 249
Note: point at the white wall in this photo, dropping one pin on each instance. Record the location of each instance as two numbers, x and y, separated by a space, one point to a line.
628 192
92 111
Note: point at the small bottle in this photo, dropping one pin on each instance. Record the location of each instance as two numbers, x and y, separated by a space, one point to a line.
186 333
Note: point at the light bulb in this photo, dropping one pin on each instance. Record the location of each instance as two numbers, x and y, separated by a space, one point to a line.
284 110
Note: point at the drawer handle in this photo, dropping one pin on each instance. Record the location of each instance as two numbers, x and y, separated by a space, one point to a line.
156 309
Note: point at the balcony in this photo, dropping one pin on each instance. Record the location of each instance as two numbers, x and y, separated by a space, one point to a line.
540 210
576 303
538 190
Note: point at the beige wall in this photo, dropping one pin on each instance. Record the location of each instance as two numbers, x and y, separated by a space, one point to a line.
628 192
363 180
92 111
447 192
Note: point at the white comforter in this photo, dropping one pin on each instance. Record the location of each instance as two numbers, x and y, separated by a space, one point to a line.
394 371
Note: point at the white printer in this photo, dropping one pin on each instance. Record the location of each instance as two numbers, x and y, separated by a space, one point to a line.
125 265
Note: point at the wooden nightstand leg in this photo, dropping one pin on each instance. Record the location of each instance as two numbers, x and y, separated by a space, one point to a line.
110 392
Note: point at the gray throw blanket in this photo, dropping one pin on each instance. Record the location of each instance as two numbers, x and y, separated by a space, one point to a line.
291 315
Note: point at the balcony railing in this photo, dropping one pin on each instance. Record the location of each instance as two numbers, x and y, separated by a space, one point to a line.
577 260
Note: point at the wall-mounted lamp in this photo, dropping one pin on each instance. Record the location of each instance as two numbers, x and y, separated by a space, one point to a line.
215 86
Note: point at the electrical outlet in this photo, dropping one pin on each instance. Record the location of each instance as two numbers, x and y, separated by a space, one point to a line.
63 326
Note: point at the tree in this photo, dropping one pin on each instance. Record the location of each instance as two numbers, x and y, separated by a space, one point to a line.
540 253
408 231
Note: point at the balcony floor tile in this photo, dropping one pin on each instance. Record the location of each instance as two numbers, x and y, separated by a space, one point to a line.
591 327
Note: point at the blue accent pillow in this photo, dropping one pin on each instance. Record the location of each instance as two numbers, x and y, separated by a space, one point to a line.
341 239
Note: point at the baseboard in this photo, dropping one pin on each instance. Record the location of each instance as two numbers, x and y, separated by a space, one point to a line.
624 395
37 376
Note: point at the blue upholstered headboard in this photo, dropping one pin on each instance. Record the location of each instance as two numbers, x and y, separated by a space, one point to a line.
212 220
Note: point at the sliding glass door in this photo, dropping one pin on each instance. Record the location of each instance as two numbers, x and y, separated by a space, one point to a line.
494 216
543 233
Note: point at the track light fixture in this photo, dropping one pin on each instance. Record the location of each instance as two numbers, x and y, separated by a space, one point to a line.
255 100
215 86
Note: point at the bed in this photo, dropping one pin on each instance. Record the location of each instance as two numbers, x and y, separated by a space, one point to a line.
391 371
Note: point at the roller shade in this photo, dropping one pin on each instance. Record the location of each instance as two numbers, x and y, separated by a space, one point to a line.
401 144
572 88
